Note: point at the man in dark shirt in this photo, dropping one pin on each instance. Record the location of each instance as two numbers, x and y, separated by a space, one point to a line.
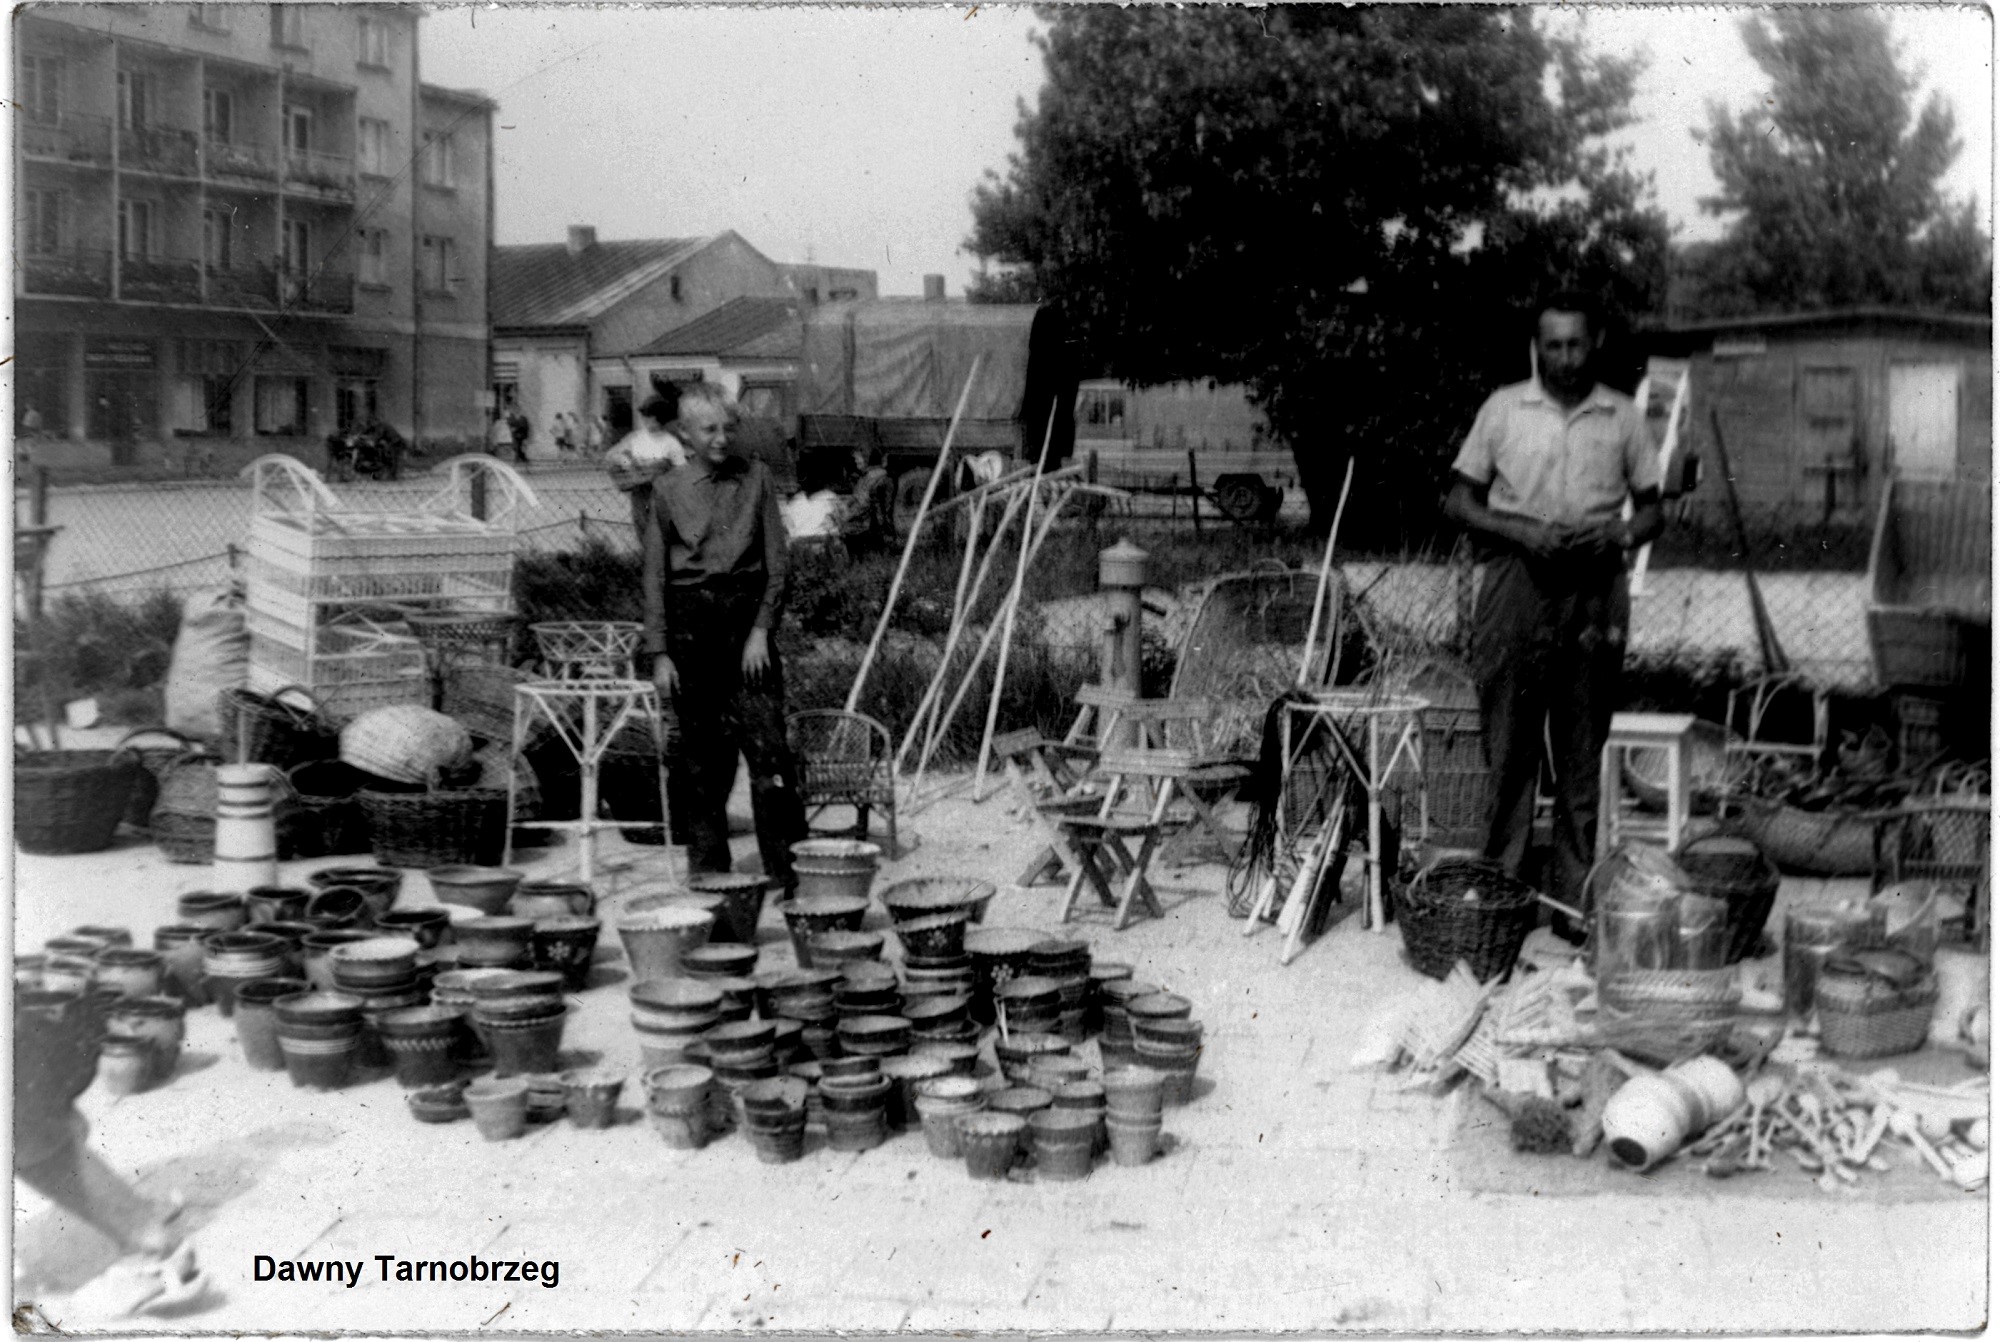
714 586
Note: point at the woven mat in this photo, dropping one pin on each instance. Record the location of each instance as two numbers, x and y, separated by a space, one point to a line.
1483 1159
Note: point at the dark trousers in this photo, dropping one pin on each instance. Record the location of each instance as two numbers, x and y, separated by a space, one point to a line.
721 715
1548 646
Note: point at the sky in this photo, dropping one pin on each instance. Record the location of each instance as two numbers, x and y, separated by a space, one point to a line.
854 136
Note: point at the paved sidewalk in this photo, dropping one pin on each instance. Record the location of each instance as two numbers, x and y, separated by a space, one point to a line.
1297 1194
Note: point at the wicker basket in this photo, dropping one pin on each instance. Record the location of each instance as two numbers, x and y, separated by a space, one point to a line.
70 801
1874 1004
1465 909
183 820
326 820
1834 842
1712 772
482 698
1733 870
405 743
463 827
600 647
265 729
153 758
1666 1015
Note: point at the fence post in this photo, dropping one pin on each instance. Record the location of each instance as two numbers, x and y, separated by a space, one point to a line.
1194 493
38 516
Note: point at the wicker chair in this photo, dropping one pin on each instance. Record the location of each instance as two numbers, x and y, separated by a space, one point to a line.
845 759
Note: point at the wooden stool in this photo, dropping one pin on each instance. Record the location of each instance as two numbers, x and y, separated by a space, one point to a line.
1672 733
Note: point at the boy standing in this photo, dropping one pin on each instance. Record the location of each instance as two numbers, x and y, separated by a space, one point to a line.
714 586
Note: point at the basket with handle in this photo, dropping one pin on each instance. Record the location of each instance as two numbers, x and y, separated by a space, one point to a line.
1874 1003
271 729
153 756
1461 908
1734 870
70 801
326 820
1839 841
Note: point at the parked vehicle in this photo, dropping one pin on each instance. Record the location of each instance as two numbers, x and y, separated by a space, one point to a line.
372 451
1185 437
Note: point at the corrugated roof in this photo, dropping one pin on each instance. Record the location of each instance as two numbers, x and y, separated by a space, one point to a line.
545 284
753 328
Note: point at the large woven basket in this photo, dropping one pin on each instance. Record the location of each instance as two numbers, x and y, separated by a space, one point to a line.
460 827
1874 1004
70 801
1833 842
1465 909
405 743
270 729
1733 870
183 821
326 820
1666 1015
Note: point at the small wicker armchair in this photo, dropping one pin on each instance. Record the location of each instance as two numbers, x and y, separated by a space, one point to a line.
845 759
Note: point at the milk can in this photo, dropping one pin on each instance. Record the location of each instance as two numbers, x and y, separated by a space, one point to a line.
246 834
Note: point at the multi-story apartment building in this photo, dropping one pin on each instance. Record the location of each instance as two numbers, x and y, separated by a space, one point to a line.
241 228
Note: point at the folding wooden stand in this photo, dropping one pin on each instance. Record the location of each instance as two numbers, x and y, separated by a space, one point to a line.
587 716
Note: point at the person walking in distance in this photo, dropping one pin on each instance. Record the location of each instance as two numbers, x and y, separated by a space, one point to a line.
1542 482
715 573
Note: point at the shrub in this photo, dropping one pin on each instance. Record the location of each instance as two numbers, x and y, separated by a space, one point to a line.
94 645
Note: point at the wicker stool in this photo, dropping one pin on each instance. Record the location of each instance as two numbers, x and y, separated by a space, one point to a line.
587 717
452 638
1673 735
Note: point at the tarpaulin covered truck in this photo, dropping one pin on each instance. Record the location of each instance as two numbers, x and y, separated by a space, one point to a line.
887 373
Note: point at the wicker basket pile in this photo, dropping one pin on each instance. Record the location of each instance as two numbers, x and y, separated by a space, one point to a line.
269 729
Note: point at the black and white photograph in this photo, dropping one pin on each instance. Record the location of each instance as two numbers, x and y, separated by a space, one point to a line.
977 669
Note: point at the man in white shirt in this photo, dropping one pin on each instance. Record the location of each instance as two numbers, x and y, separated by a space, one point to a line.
645 454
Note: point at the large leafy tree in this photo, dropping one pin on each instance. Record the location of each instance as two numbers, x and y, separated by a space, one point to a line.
1831 181
1350 209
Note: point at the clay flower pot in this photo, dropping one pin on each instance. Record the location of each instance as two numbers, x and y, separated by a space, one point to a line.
215 911
925 895
495 942
936 936
991 1142
124 1064
133 973
499 1107
1133 1092
551 899
725 961
319 1057
939 1104
379 886
1133 1141
678 1105
257 1022
484 888
807 914
522 1046
315 951
420 1042
837 867
427 927
656 939
375 964
161 1021
1065 1142
230 958
179 945
566 944
276 904
743 903
592 1097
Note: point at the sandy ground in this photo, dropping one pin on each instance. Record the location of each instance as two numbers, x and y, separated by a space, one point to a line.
1295 1192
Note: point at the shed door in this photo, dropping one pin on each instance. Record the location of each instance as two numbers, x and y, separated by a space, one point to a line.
1923 419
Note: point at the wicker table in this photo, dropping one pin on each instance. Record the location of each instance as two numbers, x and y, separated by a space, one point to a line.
587 716
1394 726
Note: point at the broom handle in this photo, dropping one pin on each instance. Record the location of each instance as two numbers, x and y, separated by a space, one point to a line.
1325 570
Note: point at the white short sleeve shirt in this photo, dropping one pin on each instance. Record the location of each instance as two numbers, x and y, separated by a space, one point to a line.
1542 462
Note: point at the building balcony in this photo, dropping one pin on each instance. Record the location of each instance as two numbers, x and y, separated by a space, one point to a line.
71 138
159 149
70 274
242 286
330 176
159 279
322 291
241 162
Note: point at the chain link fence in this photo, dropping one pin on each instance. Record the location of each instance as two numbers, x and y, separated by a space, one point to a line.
122 554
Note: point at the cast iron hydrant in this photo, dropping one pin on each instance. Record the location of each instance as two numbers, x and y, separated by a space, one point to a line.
1121 573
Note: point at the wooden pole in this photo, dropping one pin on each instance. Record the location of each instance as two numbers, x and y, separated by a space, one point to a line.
910 544
1194 493
1013 605
1325 571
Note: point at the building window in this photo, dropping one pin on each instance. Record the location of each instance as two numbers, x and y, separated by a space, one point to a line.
440 264
216 242
43 222
374 147
375 257
281 406
215 18
135 229
203 405
298 246
674 287
41 88
374 43
218 115
135 99
440 160
298 129
288 26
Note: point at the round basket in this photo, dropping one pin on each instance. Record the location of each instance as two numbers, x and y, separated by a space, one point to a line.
1667 1014
1834 842
608 644
70 801
1464 909
461 827
325 821
456 630
183 818
1874 1004
153 757
1712 770
1733 870
405 743
265 729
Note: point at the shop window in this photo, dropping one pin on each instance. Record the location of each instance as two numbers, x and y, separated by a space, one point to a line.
202 406
122 405
281 406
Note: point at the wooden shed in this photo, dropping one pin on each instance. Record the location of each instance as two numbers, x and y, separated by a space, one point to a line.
1820 410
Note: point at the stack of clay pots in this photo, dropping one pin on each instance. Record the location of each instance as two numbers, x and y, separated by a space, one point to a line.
519 1017
314 954
874 1036
940 1101
740 1052
1031 1004
1114 1044
452 989
1017 1054
809 915
1085 1096
999 954
668 1015
938 976
382 972
1067 962
420 1041
909 1072
233 958
257 1020
1132 1098
742 903
774 1114
1167 1040
657 937
1101 973
839 949
866 990
677 1104
319 1034
940 1019
806 996
853 1096
838 868
567 944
